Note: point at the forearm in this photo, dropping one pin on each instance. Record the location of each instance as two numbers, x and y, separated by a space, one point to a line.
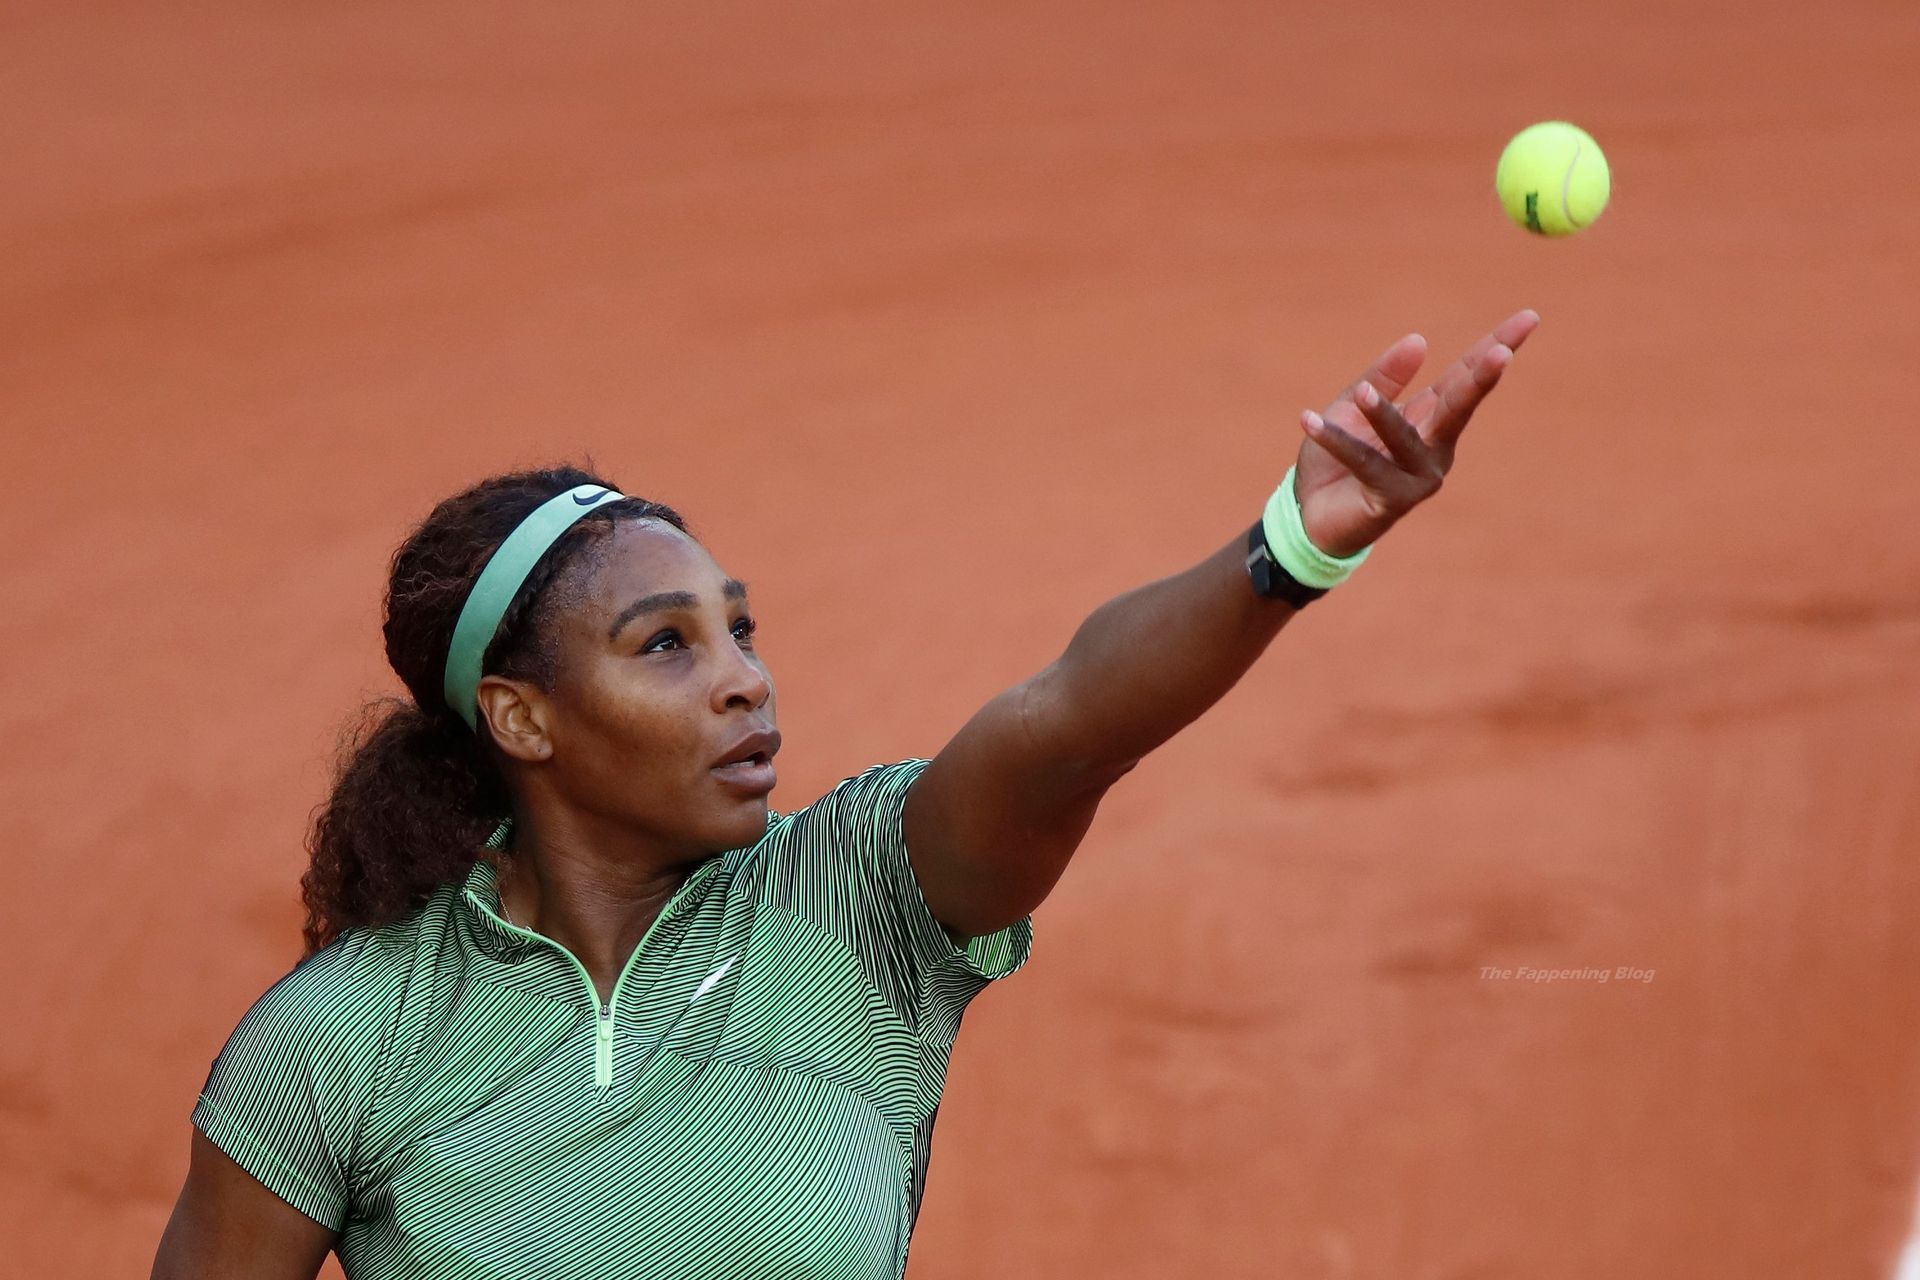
1146 664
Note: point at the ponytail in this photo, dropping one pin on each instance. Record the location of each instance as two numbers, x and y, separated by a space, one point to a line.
408 813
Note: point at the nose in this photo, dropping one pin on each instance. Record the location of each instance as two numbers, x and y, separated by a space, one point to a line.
744 679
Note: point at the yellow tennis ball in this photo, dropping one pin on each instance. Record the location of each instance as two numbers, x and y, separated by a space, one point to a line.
1553 178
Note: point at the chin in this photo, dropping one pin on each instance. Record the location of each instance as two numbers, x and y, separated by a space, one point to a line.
753 826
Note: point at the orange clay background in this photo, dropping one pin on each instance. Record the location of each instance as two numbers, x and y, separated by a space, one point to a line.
944 325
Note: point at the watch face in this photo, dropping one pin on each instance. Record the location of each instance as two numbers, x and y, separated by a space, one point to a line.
1270 578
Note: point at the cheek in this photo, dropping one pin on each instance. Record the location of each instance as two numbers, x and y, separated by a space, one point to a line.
617 719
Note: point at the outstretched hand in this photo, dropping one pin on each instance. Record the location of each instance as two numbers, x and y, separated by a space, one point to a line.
1365 462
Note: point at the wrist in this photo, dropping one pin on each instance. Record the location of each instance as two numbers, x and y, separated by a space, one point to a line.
1293 551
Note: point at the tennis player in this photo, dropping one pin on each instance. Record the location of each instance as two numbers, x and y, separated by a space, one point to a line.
577 1003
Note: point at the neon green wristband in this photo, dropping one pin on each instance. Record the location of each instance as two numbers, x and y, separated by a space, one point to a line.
1287 539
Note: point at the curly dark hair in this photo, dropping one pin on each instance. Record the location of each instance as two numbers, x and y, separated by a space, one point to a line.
416 793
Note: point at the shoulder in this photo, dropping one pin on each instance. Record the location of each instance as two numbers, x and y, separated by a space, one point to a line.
854 810
342 1001
320 1036
873 794
336 1001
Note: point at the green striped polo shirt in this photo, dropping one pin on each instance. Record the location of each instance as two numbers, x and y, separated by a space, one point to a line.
756 1099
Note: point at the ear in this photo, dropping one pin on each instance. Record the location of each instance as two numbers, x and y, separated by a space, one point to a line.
519 714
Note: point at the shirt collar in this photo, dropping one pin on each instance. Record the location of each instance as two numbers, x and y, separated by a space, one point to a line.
479 903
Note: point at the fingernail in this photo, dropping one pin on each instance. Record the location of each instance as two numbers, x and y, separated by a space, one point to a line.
1364 395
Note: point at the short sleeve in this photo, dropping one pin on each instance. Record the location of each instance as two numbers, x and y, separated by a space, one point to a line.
864 817
286 1093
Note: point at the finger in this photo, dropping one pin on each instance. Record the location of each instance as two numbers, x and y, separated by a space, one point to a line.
1457 398
1394 370
1425 409
1509 333
1412 452
1373 468
1513 331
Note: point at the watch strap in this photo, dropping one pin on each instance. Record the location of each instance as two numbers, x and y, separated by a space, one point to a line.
1270 578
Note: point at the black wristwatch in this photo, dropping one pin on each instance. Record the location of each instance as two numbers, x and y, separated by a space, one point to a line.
1269 578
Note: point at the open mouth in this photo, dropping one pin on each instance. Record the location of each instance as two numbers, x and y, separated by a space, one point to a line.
755 773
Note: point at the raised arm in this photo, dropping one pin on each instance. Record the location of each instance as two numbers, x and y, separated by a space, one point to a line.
992 822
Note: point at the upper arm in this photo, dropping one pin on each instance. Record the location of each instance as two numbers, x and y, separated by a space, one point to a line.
992 822
281 1111
226 1224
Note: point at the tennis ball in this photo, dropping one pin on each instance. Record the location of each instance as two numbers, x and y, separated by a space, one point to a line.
1553 178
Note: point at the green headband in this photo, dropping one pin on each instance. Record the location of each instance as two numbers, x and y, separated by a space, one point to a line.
494 590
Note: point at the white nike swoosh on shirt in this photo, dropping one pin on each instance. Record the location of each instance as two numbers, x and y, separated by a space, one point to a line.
713 978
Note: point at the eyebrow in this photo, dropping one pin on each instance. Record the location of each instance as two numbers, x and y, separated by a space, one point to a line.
660 601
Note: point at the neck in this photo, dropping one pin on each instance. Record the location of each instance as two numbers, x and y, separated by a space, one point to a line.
599 918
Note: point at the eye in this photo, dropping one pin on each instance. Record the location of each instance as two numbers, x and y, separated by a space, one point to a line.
744 628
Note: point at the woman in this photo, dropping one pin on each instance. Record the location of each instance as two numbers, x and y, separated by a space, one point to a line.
576 1002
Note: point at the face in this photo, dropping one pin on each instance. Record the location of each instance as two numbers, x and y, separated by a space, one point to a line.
649 696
